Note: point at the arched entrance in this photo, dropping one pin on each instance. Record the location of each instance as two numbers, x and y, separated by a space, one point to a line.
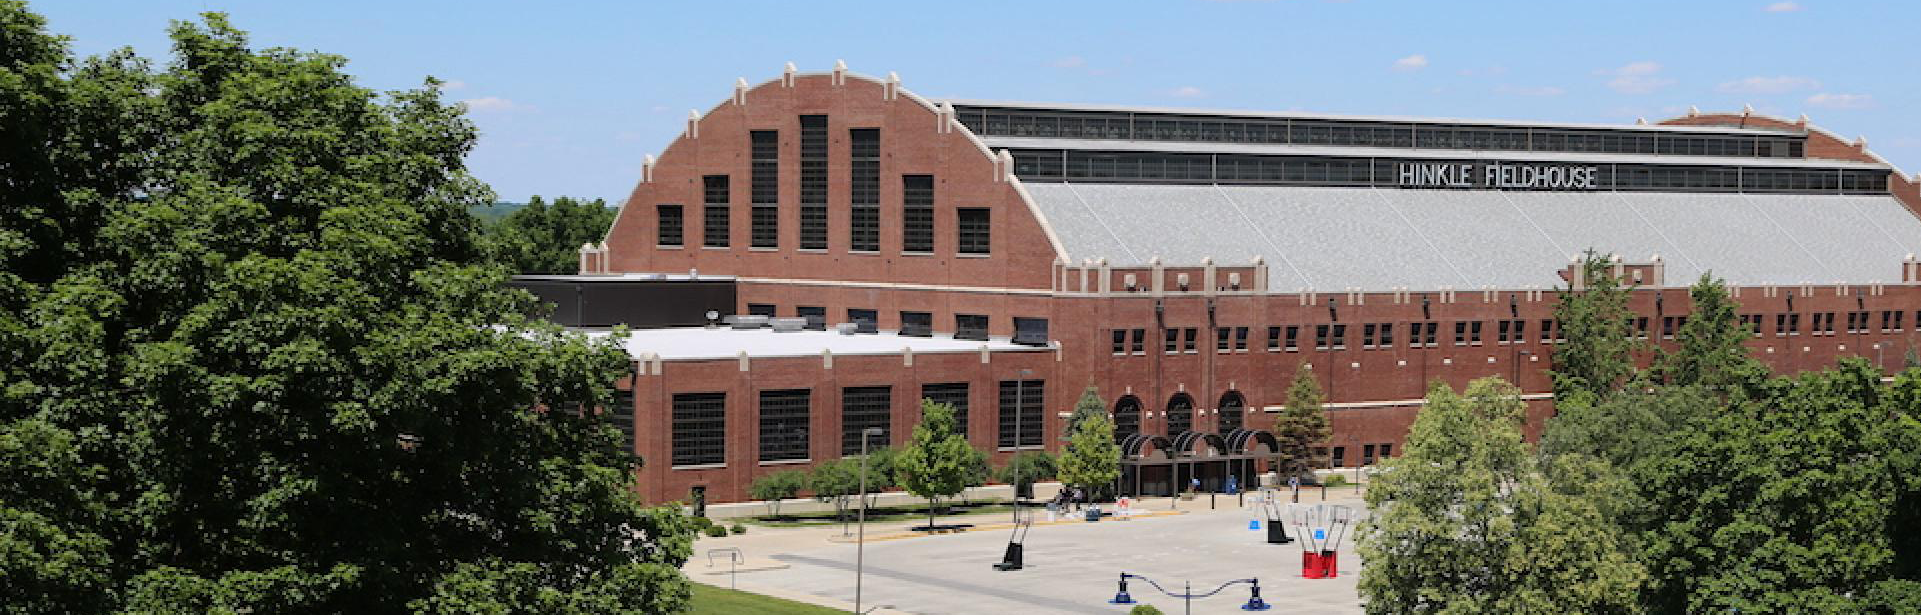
1127 417
1180 414
1233 413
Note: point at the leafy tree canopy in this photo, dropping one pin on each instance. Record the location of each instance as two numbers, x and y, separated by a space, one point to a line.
546 238
254 359
1092 459
1598 355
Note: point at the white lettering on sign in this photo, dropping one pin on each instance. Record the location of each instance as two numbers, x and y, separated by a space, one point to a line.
1498 175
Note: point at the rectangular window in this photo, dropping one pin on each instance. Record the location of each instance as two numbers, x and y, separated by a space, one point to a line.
1340 455
970 327
1367 336
1547 330
671 223
1340 337
917 324
1120 341
1273 339
865 321
1223 339
1320 337
1474 333
1641 327
1293 338
1387 450
1887 319
861 408
714 212
953 394
621 414
813 182
760 309
975 231
1240 339
1460 333
1030 331
1022 399
1751 322
1173 341
765 223
783 424
700 429
1140 341
1367 454
864 189
816 316
917 213
1667 327
1502 335
1192 335
1781 327
1897 320
1387 335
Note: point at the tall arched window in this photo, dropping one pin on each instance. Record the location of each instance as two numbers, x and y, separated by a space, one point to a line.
1180 414
1233 412
1127 417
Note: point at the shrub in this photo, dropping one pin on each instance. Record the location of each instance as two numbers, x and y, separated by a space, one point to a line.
715 531
1335 480
772 488
1144 609
739 528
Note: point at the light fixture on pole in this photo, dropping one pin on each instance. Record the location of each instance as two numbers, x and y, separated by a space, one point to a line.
860 542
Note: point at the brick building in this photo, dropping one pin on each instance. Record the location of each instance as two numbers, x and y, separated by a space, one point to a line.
1185 263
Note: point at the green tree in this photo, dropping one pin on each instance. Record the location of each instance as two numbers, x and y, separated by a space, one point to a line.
1599 353
934 464
543 238
1025 468
1711 350
835 481
775 487
1791 503
1088 406
245 311
1301 424
1092 459
1466 522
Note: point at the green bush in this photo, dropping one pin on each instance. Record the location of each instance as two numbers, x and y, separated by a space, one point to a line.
739 528
715 531
1144 609
1335 480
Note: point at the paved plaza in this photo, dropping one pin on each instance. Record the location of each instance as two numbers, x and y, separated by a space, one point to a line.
1071 567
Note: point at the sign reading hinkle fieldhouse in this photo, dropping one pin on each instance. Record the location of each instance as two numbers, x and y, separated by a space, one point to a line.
1497 175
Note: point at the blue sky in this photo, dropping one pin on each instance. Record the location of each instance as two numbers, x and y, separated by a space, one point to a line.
570 96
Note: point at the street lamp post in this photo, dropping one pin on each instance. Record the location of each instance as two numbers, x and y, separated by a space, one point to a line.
860 541
1020 378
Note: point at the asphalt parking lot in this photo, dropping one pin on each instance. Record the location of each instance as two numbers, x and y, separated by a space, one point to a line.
1071 566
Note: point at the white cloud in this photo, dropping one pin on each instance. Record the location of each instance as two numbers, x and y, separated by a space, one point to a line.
1783 7
1187 91
493 104
1068 62
1636 78
1841 101
1530 90
1410 63
1768 85
452 84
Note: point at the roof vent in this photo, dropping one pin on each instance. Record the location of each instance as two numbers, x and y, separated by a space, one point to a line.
789 324
745 321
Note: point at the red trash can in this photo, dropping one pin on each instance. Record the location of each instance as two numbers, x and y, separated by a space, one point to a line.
1311 566
1328 564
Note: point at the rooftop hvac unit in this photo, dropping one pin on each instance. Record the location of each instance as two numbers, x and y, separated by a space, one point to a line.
744 321
783 325
847 328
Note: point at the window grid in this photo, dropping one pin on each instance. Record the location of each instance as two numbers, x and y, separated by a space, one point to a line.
783 424
917 214
714 211
699 429
813 182
672 221
861 408
764 225
1024 397
1180 415
975 230
864 189
953 394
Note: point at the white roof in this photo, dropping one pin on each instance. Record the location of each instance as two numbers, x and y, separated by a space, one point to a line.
1331 239
999 143
701 343
1040 106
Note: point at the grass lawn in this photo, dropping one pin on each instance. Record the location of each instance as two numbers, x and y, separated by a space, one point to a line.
710 600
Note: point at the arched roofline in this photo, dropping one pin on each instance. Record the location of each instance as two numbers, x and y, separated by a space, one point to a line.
1803 123
1239 439
1007 175
1132 445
